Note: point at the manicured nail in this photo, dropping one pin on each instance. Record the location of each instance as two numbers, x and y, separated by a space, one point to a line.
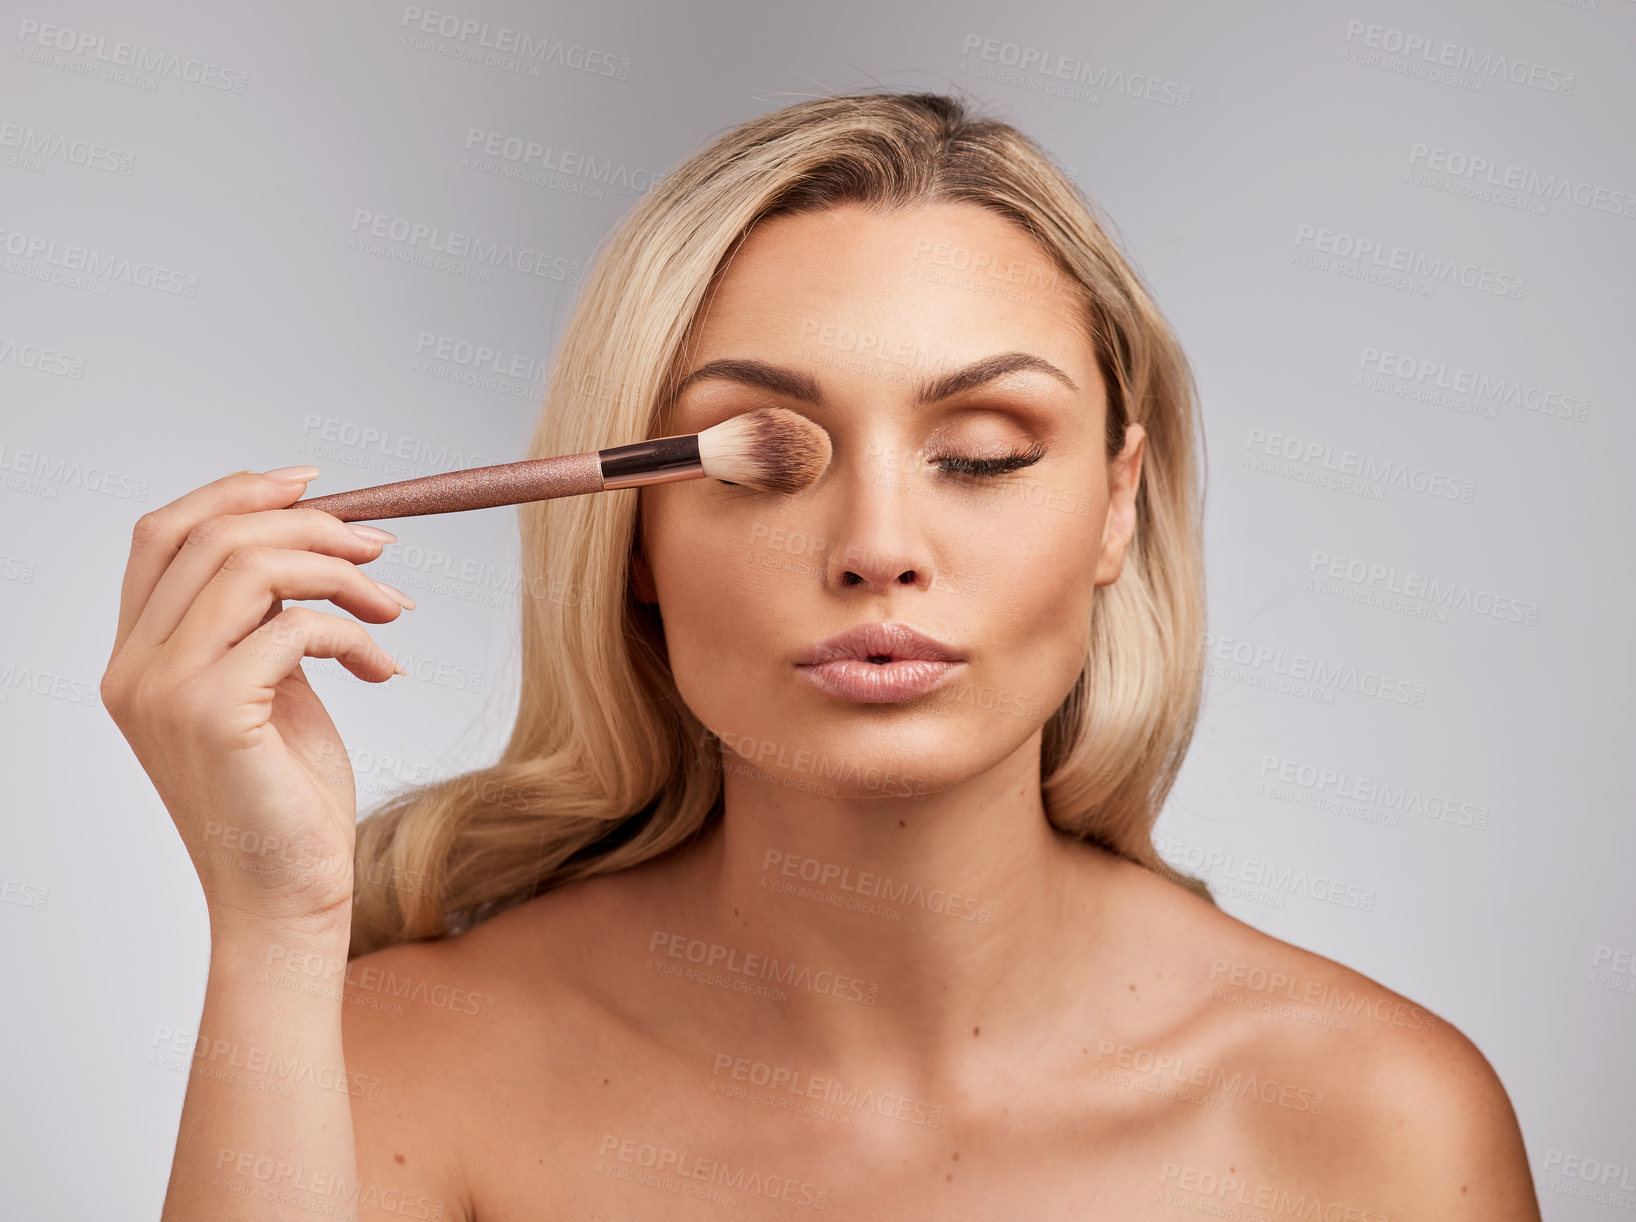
402 599
296 475
372 533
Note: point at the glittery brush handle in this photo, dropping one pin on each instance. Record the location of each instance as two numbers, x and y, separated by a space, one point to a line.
511 483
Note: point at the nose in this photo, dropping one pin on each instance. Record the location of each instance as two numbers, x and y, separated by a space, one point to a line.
880 537
869 569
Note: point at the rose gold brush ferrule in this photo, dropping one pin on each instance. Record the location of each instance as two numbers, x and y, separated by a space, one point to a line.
664 460
659 461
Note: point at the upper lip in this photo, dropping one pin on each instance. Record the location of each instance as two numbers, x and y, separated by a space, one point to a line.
897 641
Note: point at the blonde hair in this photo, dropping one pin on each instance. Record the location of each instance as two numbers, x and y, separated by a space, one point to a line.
606 767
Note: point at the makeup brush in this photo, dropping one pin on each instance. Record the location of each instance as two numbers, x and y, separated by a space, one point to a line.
771 449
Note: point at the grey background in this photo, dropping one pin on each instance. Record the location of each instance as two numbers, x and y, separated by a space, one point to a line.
291 343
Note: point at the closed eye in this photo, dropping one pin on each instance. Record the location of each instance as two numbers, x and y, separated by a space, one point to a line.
992 466
982 467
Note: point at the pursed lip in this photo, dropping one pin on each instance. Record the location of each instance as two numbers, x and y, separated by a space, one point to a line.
896 641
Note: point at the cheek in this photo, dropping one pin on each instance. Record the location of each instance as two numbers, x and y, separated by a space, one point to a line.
1046 581
716 598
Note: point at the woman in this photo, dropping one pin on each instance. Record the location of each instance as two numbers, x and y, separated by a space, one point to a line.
818 871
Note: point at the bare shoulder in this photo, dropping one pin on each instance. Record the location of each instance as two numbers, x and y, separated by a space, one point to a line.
413 1034
1439 1124
460 1041
1375 1094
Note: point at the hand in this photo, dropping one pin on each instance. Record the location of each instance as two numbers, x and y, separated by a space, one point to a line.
206 684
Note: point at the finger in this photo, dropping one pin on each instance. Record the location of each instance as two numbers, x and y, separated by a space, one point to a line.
209 544
234 603
274 651
159 533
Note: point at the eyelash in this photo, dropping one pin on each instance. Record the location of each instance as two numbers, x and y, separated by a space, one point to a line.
991 467
983 468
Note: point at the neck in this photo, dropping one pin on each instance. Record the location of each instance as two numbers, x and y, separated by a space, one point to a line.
906 932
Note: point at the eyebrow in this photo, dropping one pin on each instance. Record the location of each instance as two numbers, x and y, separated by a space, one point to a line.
794 384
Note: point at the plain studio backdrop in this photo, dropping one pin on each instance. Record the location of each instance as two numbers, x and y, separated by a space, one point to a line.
1396 240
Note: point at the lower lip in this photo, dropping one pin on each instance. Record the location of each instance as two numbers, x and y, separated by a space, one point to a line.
879 682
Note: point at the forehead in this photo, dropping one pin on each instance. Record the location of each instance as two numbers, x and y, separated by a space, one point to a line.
919 288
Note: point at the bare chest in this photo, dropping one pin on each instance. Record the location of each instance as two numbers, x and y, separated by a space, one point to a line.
635 1136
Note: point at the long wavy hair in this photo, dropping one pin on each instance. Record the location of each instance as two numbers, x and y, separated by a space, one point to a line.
606 767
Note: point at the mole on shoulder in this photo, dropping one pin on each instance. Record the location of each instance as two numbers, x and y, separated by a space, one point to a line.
398 1158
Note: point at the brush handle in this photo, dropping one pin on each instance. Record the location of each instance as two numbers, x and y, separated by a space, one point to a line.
510 483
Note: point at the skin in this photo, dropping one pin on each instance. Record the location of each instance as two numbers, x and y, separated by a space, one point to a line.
1031 1036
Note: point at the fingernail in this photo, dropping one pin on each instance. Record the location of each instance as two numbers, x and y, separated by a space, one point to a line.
397 669
297 475
372 533
402 599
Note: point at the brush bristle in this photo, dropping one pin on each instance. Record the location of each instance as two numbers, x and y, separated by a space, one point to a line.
771 449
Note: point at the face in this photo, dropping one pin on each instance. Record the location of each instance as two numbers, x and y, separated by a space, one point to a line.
866 311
